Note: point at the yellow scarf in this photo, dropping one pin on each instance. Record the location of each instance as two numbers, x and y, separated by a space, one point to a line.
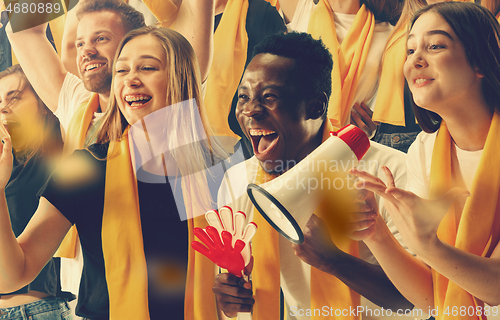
165 11
122 246
125 263
326 290
390 107
75 139
348 58
475 229
230 54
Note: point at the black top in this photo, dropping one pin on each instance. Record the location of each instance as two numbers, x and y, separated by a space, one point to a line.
165 236
28 176
262 20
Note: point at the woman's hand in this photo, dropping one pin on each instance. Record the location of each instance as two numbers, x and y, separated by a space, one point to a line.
417 219
6 160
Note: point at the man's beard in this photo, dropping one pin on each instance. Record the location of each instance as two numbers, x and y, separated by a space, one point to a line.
98 82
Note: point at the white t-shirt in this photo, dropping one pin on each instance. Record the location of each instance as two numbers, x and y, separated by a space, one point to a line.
368 81
295 274
419 160
419 164
71 97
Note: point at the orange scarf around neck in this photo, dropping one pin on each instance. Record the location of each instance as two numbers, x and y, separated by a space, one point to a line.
326 290
75 139
348 58
475 229
125 263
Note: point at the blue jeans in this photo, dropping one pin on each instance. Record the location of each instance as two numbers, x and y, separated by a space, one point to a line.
45 309
399 141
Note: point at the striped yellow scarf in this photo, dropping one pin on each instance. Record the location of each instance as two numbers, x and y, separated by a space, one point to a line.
348 58
475 229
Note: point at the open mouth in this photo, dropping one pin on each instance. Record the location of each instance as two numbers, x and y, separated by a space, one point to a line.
94 66
10 125
263 140
137 100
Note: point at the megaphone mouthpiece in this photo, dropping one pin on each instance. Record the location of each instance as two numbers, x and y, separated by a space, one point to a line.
355 138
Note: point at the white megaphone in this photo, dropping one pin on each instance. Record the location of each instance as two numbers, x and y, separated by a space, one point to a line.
288 207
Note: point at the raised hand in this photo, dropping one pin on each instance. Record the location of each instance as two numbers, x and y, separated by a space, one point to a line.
417 219
6 159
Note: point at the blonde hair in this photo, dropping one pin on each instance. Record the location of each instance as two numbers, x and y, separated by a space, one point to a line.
198 151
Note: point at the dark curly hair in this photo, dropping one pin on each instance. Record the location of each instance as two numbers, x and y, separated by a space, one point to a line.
313 61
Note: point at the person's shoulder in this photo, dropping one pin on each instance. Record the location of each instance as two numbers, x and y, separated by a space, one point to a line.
241 168
82 168
383 153
423 144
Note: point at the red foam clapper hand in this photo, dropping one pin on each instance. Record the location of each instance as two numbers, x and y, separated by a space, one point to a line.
220 251
227 240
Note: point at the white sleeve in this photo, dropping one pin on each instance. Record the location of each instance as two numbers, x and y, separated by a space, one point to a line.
418 164
73 94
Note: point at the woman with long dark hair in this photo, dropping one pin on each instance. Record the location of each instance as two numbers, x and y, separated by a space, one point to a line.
453 72
36 143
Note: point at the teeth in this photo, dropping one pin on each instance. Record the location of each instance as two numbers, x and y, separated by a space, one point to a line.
93 66
260 132
419 81
137 98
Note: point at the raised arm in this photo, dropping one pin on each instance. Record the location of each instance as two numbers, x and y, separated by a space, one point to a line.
196 23
68 51
288 9
22 259
39 60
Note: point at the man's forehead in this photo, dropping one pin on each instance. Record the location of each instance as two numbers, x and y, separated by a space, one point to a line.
266 67
99 21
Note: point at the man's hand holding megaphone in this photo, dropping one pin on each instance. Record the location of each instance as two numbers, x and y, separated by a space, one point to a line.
318 249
